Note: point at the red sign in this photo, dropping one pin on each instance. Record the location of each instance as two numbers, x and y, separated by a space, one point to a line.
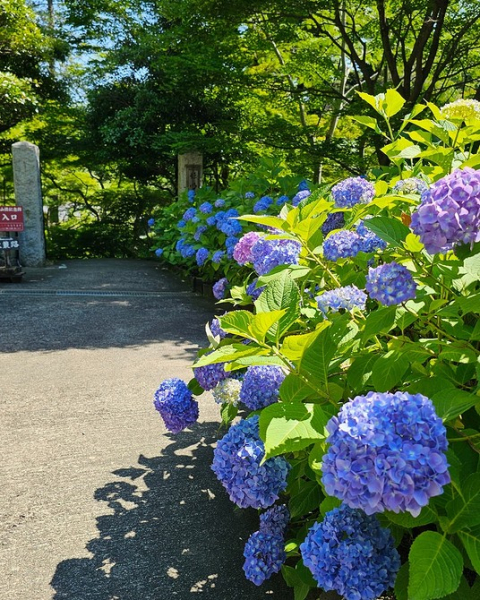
11 218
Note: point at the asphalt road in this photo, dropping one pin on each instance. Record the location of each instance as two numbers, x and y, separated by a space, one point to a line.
97 500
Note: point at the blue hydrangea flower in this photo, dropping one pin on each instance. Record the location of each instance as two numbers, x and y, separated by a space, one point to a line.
243 250
249 195
209 375
268 254
205 208
236 463
264 555
227 391
369 241
191 195
390 284
189 214
387 452
351 191
275 520
186 250
175 403
228 223
347 297
412 185
342 244
449 213
282 200
350 552
216 329
195 220
201 229
159 252
217 257
261 386
201 256
333 221
263 204
299 196
253 291
230 244
219 288
181 224
151 222
220 203
303 185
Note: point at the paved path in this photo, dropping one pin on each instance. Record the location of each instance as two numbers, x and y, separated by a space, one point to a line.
97 500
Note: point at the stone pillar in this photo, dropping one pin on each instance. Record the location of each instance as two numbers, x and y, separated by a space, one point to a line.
190 171
28 194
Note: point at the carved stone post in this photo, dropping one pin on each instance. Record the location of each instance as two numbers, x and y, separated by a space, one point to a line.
190 171
28 194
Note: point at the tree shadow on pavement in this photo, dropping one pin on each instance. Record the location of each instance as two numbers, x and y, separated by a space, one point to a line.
172 533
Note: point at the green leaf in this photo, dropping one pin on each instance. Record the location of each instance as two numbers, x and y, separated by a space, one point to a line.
360 370
328 504
294 389
379 321
368 122
464 592
372 100
465 512
237 322
228 412
427 515
262 322
389 229
393 102
401 583
282 293
275 222
230 352
315 360
471 541
401 149
195 387
291 427
388 370
435 567
451 402
305 498
412 243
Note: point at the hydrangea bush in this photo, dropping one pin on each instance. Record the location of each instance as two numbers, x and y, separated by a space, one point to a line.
353 408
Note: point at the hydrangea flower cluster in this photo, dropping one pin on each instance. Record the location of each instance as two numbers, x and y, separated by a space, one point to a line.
449 212
412 185
267 254
201 229
216 329
227 391
350 552
333 221
342 244
236 463
219 288
369 240
151 222
220 203
206 208
186 250
387 452
191 195
264 555
201 256
209 375
263 204
253 291
347 297
261 386
189 214
217 257
159 252
390 284
282 200
243 250
249 195
275 520
299 196
230 244
175 403
227 223
351 191
467 110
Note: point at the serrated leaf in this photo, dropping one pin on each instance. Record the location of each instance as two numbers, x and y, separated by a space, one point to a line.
360 370
275 222
388 370
464 511
291 427
237 322
401 583
230 352
282 293
451 402
294 389
412 243
427 515
379 321
471 541
307 497
393 102
262 322
435 567
389 229
315 360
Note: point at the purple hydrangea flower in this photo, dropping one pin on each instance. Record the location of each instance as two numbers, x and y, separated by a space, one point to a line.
342 244
243 250
263 204
219 288
275 520
261 386
191 195
175 403
159 252
249 195
347 297
151 222
264 555
189 214
236 463
390 284
217 257
369 240
351 191
333 221
253 291
201 229
411 185
449 213
350 552
205 208
201 256
216 329
387 452
268 254
220 203
299 196
209 375
282 200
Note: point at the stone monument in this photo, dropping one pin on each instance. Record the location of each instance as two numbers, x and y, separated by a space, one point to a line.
28 194
190 171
